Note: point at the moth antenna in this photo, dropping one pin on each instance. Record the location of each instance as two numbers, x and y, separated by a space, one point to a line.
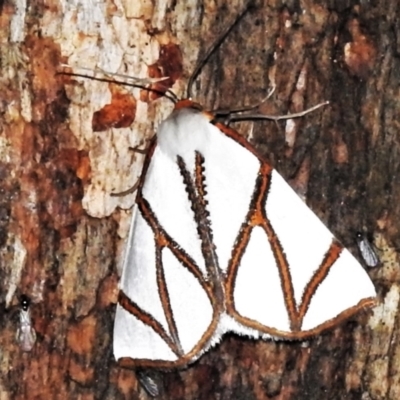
245 117
141 83
213 47
221 113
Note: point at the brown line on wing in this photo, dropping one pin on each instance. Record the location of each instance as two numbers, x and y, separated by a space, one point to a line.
243 239
234 263
329 260
162 239
200 180
257 217
147 319
165 301
364 304
276 247
237 137
196 191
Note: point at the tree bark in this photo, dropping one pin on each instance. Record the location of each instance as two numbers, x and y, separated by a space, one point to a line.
65 147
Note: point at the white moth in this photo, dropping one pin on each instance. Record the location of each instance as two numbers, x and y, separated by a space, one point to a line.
219 242
367 250
26 335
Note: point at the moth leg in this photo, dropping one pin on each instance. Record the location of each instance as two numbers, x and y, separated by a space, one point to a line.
128 191
136 149
132 189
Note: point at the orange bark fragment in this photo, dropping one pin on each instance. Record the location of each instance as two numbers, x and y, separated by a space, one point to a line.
120 113
169 65
80 337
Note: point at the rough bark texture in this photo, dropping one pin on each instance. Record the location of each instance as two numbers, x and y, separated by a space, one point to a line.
64 148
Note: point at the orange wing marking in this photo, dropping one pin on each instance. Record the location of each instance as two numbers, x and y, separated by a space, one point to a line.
147 319
165 300
257 217
331 256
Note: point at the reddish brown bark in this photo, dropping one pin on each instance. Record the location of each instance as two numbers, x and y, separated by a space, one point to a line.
62 233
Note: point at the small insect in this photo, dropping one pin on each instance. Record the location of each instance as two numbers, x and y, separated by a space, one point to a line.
26 335
149 381
367 250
